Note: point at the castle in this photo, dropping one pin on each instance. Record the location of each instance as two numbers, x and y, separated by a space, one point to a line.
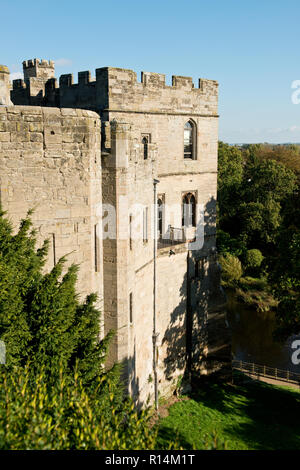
102 162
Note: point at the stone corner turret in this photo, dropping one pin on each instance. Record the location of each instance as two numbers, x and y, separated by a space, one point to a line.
37 68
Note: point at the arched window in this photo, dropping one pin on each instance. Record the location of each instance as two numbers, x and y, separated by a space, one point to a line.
189 140
160 217
145 142
189 210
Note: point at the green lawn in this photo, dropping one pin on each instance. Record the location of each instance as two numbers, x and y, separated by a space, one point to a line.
250 416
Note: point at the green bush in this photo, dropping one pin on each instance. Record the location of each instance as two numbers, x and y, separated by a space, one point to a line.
37 415
41 317
254 258
65 398
250 283
231 267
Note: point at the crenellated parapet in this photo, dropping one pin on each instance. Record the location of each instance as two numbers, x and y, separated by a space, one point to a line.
115 89
18 83
118 89
152 95
38 68
38 62
39 85
79 95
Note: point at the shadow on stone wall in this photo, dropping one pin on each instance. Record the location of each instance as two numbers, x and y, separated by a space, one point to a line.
198 338
175 337
131 380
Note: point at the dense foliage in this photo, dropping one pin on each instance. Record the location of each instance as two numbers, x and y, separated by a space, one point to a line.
231 267
41 318
54 390
258 222
34 415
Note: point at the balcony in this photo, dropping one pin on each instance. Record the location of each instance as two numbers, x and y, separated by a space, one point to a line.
173 236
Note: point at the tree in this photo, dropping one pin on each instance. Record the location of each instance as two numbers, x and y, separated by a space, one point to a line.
41 318
285 277
231 268
267 180
54 390
254 258
252 194
259 208
258 222
288 155
230 175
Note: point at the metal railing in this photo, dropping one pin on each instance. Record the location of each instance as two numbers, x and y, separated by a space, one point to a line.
173 236
265 371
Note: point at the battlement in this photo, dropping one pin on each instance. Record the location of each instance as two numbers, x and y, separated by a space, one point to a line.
121 77
118 89
38 63
18 83
152 94
153 79
84 78
38 68
66 80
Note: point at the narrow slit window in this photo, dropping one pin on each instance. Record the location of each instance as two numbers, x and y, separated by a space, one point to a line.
130 232
96 248
54 248
160 217
130 308
145 142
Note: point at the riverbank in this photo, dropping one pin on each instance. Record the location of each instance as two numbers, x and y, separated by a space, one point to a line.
253 292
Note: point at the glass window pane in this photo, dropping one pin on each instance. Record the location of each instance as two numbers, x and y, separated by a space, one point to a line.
188 140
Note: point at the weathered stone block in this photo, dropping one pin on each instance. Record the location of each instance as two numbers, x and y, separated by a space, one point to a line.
20 136
36 137
4 137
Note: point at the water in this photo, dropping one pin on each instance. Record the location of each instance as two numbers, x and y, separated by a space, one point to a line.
252 339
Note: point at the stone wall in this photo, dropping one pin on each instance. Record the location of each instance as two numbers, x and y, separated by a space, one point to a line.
186 305
50 161
115 89
190 305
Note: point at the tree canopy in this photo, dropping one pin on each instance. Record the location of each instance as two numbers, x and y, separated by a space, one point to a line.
259 209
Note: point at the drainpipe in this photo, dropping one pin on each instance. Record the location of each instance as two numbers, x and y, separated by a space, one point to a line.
189 318
155 334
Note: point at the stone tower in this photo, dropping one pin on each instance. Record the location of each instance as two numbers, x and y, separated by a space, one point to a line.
149 131
41 69
38 81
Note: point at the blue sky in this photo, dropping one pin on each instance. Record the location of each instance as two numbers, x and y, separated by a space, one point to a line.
251 47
